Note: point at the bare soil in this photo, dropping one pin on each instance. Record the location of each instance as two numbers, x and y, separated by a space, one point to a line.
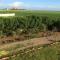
34 41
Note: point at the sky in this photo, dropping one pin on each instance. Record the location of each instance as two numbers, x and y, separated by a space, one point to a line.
31 4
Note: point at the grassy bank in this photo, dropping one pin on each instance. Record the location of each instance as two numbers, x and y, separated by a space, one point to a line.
44 53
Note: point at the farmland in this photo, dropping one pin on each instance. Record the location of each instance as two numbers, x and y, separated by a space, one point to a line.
32 12
30 35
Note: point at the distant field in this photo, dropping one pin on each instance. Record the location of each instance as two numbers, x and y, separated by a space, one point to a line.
32 12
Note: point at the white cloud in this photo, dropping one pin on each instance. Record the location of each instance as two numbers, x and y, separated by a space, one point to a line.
16 4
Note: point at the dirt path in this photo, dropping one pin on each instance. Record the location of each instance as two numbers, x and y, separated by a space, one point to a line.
34 41
29 43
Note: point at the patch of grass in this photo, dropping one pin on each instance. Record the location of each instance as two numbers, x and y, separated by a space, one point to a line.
50 52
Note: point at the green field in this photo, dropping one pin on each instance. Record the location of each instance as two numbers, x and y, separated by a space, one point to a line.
28 24
32 12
